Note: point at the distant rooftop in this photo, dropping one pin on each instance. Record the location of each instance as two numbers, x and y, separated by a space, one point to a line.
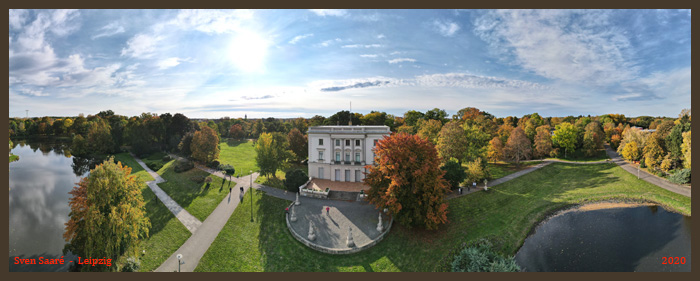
349 129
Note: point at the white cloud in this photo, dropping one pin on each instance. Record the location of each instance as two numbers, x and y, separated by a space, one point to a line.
367 46
400 60
171 62
32 92
369 55
109 30
213 21
329 12
17 18
141 46
329 42
380 36
574 46
300 37
446 28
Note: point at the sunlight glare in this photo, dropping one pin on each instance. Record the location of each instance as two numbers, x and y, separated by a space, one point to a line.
248 51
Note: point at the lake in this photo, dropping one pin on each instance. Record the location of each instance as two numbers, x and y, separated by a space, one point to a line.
609 240
38 206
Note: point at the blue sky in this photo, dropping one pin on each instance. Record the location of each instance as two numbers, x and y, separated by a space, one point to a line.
291 63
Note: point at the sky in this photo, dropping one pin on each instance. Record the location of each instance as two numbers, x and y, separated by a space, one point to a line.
301 63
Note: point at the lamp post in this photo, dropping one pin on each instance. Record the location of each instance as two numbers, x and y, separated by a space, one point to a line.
251 196
179 261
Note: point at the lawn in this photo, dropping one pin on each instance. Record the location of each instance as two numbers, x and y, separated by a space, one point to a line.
506 214
278 180
166 234
240 155
580 156
502 169
199 199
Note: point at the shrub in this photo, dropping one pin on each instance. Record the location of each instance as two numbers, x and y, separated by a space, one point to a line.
155 166
132 264
480 257
183 165
166 158
198 179
680 176
295 179
214 164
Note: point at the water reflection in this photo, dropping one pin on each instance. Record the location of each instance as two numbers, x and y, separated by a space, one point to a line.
613 240
38 203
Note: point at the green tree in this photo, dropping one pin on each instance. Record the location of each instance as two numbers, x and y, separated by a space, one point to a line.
454 173
407 180
452 141
299 144
477 143
566 137
476 171
294 179
108 215
205 145
411 117
674 140
429 129
592 138
267 154
436 114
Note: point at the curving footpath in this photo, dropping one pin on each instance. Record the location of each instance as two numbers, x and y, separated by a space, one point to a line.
188 220
676 188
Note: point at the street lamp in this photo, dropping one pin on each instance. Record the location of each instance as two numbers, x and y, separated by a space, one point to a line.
179 262
251 196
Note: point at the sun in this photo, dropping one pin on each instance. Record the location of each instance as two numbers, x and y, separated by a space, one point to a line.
248 51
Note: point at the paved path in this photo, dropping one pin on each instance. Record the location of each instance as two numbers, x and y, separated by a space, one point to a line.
480 186
190 222
682 190
194 248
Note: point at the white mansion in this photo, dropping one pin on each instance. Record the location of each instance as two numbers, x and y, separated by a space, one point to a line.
340 153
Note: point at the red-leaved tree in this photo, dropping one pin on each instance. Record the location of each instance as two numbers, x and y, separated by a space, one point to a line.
407 180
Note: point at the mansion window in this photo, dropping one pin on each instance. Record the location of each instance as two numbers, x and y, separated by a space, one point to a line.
337 156
320 141
357 157
357 142
347 142
320 155
337 142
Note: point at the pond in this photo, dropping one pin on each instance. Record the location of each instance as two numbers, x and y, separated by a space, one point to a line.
609 240
38 205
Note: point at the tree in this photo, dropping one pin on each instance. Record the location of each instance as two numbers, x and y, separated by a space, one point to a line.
653 153
631 151
495 151
674 140
477 143
229 170
299 144
295 179
429 129
566 137
267 154
108 214
411 117
615 141
205 145
686 147
407 180
518 146
436 114
186 144
592 138
543 142
236 131
452 141
374 118
454 173
476 171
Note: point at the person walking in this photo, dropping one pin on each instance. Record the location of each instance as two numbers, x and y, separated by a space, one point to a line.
460 190
327 210
286 211
474 185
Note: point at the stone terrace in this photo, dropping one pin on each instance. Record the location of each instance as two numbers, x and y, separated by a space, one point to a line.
321 185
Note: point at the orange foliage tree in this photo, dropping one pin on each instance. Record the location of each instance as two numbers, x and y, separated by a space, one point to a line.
407 180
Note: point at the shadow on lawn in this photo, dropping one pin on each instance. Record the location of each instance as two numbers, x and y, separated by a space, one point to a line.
234 142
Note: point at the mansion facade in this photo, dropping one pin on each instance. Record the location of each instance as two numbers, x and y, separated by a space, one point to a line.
340 153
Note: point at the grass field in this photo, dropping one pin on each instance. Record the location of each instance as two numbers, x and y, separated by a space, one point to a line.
240 155
502 169
506 213
278 180
580 156
199 199
166 234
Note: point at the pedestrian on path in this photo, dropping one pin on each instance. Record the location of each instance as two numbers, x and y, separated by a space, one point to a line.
286 211
474 185
469 188
230 189
241 190
327 210
460 190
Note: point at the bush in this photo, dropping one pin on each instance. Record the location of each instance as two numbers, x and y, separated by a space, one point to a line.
295 179
214 164
680 176
183 165
166 158
198 179
132 264
155 166
480 257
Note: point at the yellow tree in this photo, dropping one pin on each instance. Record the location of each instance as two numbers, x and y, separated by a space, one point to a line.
653 153
685 147
205 145
495 151
631 151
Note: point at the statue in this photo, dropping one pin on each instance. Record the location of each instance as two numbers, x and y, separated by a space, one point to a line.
293 217
312 235
350 243
380 226
297 202
486 186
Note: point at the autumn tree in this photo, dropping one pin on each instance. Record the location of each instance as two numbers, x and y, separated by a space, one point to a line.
452 141
653 153
495 150
205 145
270 154
477 143
236 132
407 180
543 142
566 137
518 146
685 148
454 173
107 216
429 129
476 171
299 144
592 138
631 151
